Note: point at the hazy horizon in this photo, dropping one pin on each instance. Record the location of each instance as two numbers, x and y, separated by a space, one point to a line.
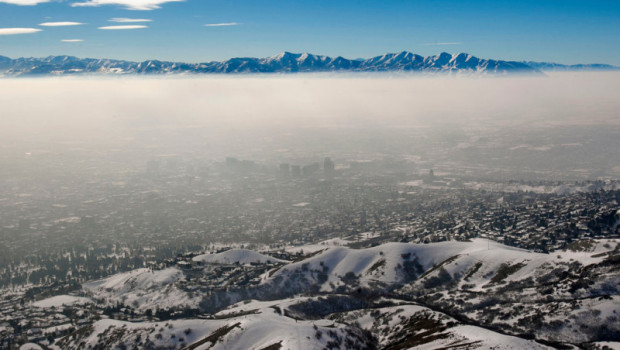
269 117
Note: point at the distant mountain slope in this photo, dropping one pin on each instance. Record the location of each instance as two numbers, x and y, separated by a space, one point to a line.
550 66
285 62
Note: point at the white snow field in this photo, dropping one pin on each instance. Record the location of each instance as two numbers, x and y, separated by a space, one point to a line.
60 301
237 256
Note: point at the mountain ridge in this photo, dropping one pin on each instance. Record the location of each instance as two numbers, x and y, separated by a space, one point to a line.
552 66
285 62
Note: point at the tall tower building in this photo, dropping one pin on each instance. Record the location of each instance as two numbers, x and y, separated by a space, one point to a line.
329 168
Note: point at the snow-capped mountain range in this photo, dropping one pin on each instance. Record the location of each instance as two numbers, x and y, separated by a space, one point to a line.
285 62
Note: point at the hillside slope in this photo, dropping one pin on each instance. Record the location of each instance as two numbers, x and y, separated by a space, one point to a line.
565 297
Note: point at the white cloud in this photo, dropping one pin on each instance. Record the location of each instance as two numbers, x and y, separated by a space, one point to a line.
129 4
222 24
24 2
123 27
442 44
129 20
72 40
60 24
13 31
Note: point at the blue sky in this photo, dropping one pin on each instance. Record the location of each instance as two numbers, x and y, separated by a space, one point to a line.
562 31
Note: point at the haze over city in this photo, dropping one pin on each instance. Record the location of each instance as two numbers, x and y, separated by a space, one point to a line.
309 175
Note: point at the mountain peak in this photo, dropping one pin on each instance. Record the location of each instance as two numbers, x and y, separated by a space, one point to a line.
283 55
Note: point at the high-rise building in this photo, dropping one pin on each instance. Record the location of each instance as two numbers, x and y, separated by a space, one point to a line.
329 168
431 177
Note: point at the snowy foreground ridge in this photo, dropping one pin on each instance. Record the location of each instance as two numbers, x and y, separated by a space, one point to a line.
449 295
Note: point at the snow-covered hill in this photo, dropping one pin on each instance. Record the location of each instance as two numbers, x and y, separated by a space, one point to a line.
264 329
144 289
278 325
466 292
59 301
237 256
